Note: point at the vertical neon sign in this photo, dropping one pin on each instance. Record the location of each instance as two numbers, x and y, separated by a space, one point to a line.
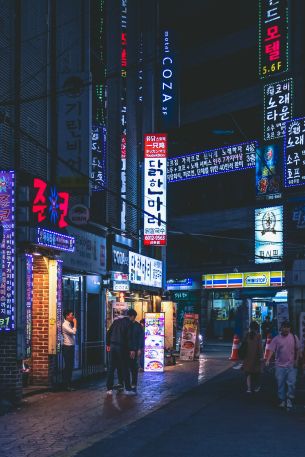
28 304
273 37
59 304
123 108
7 219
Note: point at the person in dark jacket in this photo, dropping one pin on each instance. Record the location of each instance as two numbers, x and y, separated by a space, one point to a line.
121 346
139 342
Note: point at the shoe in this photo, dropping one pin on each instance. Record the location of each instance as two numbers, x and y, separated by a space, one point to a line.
70 389
282 404
249 391
118 387
109 392
257 389
130 392
289 403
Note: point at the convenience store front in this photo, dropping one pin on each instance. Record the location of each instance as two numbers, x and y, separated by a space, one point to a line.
234 299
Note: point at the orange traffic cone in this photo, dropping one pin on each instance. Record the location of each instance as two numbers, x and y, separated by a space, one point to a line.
267 348
235 346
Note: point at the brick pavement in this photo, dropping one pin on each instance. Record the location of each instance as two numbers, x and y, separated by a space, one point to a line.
62 423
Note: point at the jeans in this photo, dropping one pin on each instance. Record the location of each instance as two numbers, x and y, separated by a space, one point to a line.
118 360
286 375
68 355
134 371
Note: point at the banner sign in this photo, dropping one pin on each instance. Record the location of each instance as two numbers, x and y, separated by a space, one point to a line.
278 98
120 259
268 172
55 240
269 234
244 280
189 336
7 219
273 37
155 153
179 284
169 88
212 162
145 270
98 169
28 305
154 342
294 153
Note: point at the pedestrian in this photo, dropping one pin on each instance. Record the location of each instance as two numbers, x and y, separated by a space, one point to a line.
267 327
121 346
69 329
139 342
286 347
253 358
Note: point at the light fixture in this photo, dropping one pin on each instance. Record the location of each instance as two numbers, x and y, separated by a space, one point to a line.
36 254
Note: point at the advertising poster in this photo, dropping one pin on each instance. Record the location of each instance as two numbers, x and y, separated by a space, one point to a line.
154 342
269 234
189 336
119 310
267 172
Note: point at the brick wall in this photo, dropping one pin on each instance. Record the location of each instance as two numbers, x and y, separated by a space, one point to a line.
10 368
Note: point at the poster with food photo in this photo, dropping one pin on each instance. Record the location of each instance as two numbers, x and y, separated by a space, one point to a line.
189 336
154 342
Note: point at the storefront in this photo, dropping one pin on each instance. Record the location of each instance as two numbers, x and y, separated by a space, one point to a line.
234 299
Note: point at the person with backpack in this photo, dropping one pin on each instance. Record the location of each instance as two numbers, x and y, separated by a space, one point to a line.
253 357
287 349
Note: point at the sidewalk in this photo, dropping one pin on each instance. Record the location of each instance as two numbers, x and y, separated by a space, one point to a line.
55 422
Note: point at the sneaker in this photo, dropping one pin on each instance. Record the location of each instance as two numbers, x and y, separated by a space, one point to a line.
289 403
257 389
282 404
249 391
129 392
109 392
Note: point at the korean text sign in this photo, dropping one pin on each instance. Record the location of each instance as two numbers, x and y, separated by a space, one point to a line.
189 336
212 162
268 179
98 171
294 153
7 219
28 304
154 342
273 37
278 107
155 153
145 270
269 234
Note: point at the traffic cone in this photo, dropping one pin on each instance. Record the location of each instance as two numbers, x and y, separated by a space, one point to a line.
267 348
235 346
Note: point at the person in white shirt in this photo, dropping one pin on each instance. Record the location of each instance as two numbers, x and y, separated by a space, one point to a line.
69 329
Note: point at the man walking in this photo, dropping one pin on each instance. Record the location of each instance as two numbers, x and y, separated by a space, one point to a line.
121 346
286 347
69 329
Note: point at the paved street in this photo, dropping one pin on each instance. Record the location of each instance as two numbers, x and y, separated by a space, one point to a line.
66 423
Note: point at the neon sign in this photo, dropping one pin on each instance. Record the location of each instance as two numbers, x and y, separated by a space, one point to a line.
273 37
59 305
268 179
98 172
123 108
7 219
269 234
169 95
50 205
28 304
55 240
278 98
212 162
294 153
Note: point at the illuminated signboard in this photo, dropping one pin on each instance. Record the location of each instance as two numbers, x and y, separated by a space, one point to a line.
212 162
273 37
7 219
269 234
267 172
243 280
155 153
55 240
145 270
294 153
123 109
179 284
169 90
28 304
50 205
59 311
154 342
98 171
189 336
278 98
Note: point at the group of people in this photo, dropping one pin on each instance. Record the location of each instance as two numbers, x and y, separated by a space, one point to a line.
125 347
287 351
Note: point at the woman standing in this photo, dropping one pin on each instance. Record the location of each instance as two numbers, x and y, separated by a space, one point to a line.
253 358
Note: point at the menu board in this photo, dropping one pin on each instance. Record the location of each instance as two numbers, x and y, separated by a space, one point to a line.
189 336
278 97
154 342
294 153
